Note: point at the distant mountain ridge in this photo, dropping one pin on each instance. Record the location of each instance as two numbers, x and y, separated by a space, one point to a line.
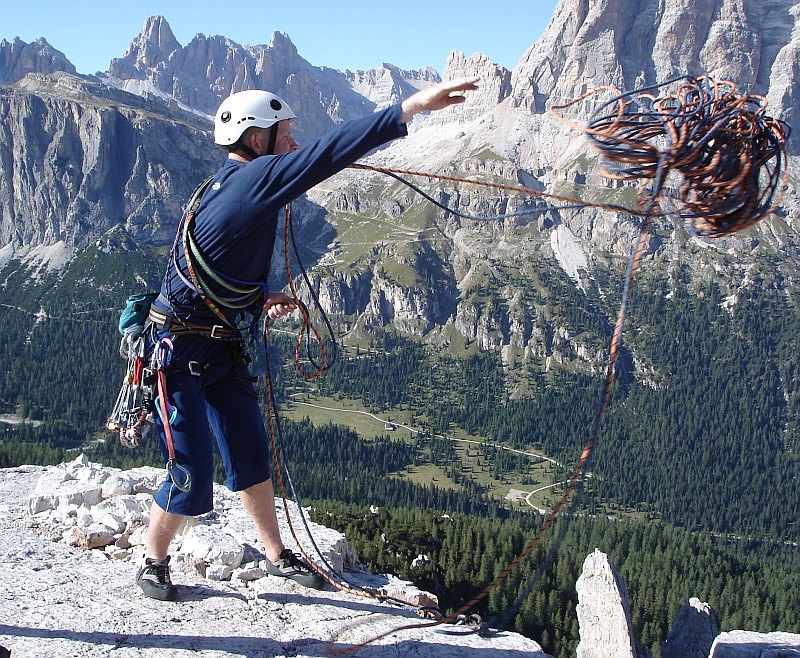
97 162
94 171
18 58
207 69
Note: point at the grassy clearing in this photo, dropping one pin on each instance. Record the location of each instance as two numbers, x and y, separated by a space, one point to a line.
467 448
348 413
426 474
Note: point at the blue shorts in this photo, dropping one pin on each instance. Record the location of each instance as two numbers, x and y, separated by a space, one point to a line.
221 405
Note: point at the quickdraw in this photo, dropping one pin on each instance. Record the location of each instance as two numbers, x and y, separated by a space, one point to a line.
130 418
143 393
162 355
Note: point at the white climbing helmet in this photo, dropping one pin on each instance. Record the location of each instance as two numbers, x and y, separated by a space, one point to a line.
246 109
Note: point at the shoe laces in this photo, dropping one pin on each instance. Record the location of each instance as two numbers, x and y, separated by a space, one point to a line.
294 560
161 571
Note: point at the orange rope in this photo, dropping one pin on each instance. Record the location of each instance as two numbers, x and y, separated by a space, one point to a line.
719 141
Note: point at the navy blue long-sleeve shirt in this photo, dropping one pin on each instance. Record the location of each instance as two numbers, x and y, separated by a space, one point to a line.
236 220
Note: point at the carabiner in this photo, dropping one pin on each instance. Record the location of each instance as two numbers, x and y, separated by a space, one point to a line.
164 352
172 467
172 411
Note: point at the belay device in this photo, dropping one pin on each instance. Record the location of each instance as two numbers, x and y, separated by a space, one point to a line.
132 416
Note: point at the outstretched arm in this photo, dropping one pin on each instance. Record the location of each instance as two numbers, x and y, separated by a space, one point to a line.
438 97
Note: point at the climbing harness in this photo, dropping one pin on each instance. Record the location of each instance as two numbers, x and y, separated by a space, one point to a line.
178 326
144 388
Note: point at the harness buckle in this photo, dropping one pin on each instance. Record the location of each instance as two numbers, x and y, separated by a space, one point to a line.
195 368
216 331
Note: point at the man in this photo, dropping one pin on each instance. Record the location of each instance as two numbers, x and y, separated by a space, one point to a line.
195 320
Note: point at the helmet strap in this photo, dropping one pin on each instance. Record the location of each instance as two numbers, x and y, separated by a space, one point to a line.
273 134
247 150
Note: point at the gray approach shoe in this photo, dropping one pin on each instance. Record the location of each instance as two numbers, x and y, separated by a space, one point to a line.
292 565
154 580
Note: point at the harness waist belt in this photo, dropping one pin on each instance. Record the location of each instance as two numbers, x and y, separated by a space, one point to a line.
170 323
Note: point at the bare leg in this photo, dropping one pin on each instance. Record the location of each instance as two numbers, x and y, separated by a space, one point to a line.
259 501
163 527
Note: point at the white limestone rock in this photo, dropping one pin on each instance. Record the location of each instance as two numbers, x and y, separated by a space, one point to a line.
137 537
603 611
747 644
249 573
74 492
124 506
92 536
218 572
212 545
38 503
113 522
146 479
51 479
117 485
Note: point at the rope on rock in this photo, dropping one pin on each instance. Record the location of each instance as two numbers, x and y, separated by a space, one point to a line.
729 159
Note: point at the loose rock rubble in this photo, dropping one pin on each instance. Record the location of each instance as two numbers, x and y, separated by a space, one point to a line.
92 507
58 597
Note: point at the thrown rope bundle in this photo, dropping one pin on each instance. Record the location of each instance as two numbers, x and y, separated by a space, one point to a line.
730 153
732 158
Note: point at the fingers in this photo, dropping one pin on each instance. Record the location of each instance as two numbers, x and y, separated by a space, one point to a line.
463 84
275 311
278 306
439 96
448 92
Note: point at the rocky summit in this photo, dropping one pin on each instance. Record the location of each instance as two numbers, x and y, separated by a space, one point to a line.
73 535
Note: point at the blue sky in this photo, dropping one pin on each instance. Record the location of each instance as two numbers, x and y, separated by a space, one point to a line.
341 34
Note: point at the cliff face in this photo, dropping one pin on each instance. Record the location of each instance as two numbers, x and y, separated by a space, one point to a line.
125 150
633 43
79 159
388 84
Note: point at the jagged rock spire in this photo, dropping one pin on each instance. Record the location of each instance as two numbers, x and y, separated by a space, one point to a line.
18 58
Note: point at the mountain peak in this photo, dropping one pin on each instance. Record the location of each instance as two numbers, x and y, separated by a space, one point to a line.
155 42
281 41
18 58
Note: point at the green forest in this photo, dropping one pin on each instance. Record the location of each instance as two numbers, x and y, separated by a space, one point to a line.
693 488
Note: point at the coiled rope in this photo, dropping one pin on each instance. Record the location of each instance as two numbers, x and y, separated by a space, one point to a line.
729 154
306 331
730 159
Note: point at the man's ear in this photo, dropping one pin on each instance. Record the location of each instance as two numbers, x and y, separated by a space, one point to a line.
253 140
